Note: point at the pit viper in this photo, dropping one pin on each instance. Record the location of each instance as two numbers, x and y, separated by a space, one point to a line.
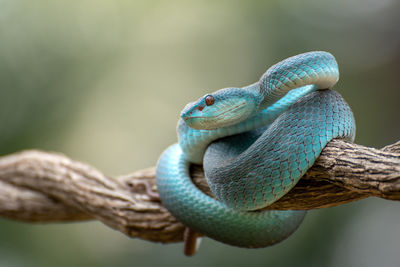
255 143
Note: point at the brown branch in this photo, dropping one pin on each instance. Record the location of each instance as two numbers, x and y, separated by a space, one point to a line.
37 186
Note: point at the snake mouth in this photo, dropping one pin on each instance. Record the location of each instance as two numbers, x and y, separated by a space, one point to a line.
218 115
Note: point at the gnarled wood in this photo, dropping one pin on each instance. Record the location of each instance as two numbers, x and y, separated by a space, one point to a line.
37 186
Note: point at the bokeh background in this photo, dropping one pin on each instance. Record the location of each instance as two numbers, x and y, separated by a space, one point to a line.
104 81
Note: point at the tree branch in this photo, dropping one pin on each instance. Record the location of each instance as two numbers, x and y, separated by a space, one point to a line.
42 187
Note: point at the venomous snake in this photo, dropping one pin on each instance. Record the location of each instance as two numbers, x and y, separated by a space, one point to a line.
255 143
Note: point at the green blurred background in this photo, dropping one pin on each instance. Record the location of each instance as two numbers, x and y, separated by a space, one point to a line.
94 79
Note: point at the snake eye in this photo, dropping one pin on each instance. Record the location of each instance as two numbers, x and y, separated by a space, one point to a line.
209 100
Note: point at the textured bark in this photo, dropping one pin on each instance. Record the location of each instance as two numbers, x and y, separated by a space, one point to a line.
42 187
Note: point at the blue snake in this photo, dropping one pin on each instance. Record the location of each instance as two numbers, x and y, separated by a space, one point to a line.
255 143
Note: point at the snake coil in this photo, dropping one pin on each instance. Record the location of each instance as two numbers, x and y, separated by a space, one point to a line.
255 143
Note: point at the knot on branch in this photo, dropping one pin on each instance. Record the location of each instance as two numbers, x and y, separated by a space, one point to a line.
42 187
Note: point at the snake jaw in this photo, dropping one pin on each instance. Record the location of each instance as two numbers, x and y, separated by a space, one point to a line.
225 110
201 122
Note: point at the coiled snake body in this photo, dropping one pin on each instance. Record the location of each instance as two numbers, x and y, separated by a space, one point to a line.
269 134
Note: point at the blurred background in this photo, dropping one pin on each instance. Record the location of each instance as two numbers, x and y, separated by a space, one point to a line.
104 82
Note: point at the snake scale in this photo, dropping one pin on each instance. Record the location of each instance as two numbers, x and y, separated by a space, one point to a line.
255 143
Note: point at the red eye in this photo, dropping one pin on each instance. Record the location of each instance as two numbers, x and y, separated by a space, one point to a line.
209 100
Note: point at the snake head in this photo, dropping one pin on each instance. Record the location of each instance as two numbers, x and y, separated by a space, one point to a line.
222 108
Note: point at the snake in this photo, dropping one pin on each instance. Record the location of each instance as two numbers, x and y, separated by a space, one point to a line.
255 143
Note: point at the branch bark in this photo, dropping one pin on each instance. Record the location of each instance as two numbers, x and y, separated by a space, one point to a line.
43 187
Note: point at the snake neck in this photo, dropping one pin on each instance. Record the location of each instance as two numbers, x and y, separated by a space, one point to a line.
256 92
